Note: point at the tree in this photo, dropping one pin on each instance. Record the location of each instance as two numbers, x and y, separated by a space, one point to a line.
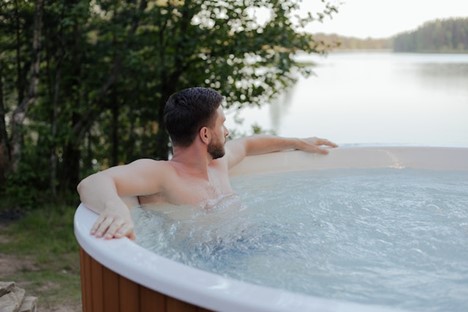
106 68
449 35
30 89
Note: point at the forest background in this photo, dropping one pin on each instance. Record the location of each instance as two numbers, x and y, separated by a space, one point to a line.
83 83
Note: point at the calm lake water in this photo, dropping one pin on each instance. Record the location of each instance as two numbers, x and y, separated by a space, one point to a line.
374 98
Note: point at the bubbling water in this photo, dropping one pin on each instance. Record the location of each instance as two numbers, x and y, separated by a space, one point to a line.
378 236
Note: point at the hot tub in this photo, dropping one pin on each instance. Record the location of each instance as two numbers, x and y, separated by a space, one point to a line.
119 275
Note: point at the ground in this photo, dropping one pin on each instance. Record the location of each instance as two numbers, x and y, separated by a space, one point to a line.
55 283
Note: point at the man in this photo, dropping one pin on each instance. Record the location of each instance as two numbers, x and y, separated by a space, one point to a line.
198 171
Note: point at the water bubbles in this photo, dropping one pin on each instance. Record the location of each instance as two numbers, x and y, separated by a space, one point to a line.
378 236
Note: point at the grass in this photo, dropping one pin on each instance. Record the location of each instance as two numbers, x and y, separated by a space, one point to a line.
42 256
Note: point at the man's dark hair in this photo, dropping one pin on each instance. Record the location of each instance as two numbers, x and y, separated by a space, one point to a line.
189 110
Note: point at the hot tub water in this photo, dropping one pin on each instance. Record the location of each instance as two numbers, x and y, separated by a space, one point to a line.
381 236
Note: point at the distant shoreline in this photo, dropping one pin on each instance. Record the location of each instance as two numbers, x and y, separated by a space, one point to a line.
337 51
448 36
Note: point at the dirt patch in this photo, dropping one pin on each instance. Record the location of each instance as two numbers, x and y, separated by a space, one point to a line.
11 264
62 309
14 268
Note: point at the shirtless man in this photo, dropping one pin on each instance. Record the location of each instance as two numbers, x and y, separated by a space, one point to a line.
198 171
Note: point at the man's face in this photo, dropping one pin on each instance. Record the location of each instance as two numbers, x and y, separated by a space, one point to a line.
220 132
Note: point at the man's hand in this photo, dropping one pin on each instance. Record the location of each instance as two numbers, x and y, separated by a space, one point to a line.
114 222
314 145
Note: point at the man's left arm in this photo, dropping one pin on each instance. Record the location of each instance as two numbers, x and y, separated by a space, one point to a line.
263 144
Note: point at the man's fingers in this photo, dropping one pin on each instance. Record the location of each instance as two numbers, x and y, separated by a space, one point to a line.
114 228
96 225
326 142
314 145
110 227
113 223
331 144
132 235
125 230
101 226
321 151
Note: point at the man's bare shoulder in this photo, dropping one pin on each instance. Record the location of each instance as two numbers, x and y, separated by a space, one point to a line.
151 165
141 167
149 162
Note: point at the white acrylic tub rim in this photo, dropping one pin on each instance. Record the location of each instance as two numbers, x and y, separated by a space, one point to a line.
219 293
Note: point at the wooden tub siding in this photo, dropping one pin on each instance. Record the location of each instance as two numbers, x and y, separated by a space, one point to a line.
103 290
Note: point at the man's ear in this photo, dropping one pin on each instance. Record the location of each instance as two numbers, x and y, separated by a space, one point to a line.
205 135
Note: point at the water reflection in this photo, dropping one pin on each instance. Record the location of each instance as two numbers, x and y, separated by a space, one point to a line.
280 107
376 98
448 77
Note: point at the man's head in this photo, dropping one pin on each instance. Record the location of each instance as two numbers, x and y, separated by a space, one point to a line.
188 111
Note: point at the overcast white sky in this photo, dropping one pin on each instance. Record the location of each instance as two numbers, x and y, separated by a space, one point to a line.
384 18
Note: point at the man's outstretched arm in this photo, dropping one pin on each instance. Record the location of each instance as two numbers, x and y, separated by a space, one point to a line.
263 144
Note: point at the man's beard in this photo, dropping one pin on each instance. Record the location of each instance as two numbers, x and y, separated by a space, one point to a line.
216 150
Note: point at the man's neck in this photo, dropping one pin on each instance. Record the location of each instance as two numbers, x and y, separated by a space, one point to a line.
194 160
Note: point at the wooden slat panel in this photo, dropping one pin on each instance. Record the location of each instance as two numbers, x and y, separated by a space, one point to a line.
174 305
129 295
97 287
105 290
82 278
86 286
151 300
110 282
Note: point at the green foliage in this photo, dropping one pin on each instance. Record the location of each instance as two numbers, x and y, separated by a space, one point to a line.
44 232
26 187
21 191
450 35
107 68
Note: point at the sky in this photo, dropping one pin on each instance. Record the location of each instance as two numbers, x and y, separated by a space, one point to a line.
384 18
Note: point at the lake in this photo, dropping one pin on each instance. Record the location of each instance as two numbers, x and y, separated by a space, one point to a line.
378 98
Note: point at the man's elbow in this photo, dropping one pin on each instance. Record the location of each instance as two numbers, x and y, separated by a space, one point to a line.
79 187
84 185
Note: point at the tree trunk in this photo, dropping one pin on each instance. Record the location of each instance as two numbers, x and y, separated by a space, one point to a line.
71 167
53 131
70 164
19 72
4 145
115 129
19 114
